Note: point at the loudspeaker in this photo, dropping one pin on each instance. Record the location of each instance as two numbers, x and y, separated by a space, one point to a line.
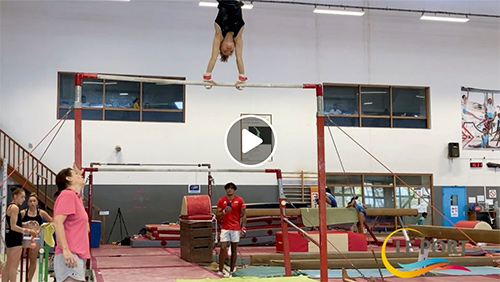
493 165
453 150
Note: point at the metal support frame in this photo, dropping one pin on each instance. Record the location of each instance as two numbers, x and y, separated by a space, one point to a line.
139 168
320 123
3 196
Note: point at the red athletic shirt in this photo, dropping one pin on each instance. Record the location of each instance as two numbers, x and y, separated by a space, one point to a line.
231 220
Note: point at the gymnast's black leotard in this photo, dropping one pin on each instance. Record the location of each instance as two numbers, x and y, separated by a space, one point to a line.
230 17
38 217
13 238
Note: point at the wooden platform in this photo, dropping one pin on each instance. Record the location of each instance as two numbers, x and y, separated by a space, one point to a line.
478 235
371 263
265 259
297 212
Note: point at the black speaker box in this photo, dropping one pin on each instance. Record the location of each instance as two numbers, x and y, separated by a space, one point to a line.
453 150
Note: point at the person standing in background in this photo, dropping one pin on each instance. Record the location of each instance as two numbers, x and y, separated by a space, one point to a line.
33 213
231 212
14 236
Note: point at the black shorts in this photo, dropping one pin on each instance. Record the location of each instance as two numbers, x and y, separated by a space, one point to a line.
13 239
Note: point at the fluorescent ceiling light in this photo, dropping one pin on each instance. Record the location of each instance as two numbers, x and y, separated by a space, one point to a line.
420 96
205 3
339 12
247 6
123 94
368 103
208 4
444 18
374 92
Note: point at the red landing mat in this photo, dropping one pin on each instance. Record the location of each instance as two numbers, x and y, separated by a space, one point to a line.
112 251
126 262
169 274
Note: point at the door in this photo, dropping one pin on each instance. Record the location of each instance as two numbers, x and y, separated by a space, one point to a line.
454 204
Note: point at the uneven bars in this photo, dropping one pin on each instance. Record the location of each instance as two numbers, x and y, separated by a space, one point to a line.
161 169
187 82
139 164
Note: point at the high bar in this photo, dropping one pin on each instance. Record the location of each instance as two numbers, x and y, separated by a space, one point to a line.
156 164
165 169
187 82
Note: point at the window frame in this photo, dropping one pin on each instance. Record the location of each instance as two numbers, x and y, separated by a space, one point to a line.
391 117
394 186
141 93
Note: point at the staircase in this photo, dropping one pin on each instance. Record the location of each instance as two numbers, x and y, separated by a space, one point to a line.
34 175
296 186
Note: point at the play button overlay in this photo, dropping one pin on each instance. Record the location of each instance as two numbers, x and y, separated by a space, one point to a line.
250 141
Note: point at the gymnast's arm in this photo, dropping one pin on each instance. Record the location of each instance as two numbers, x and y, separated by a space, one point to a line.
238 42
45 216
328 200
13 212
219 213
215 48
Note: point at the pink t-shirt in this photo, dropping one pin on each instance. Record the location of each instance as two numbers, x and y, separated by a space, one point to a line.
70 204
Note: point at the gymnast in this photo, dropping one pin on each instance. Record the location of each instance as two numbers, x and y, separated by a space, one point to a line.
361 208
229 26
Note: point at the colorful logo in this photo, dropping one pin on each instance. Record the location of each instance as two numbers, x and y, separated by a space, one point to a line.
420 267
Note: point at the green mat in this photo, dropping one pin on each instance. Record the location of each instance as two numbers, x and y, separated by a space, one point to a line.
337 273
474 270
263 272
310 217
250 279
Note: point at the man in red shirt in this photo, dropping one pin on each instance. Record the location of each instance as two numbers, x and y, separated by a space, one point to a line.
230 212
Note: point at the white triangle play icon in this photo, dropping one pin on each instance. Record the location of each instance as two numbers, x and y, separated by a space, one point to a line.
249 141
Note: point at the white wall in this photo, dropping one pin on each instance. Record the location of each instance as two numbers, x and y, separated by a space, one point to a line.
283 44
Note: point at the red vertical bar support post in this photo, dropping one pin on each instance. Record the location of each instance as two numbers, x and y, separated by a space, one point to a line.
27 265
210 180
78 119
22 264
284 225
320 127
89 208
89 211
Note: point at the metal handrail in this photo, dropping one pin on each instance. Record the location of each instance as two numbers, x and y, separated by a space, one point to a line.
40 178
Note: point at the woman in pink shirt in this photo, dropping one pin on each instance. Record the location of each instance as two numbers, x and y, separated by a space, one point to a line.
71 225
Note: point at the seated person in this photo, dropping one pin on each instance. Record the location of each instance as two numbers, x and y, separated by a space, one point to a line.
422 219
330 199
135 104
361 213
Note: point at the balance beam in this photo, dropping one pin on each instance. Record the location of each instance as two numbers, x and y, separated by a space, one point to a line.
268 212
297 212
310 217
478 235
391 212
265 259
